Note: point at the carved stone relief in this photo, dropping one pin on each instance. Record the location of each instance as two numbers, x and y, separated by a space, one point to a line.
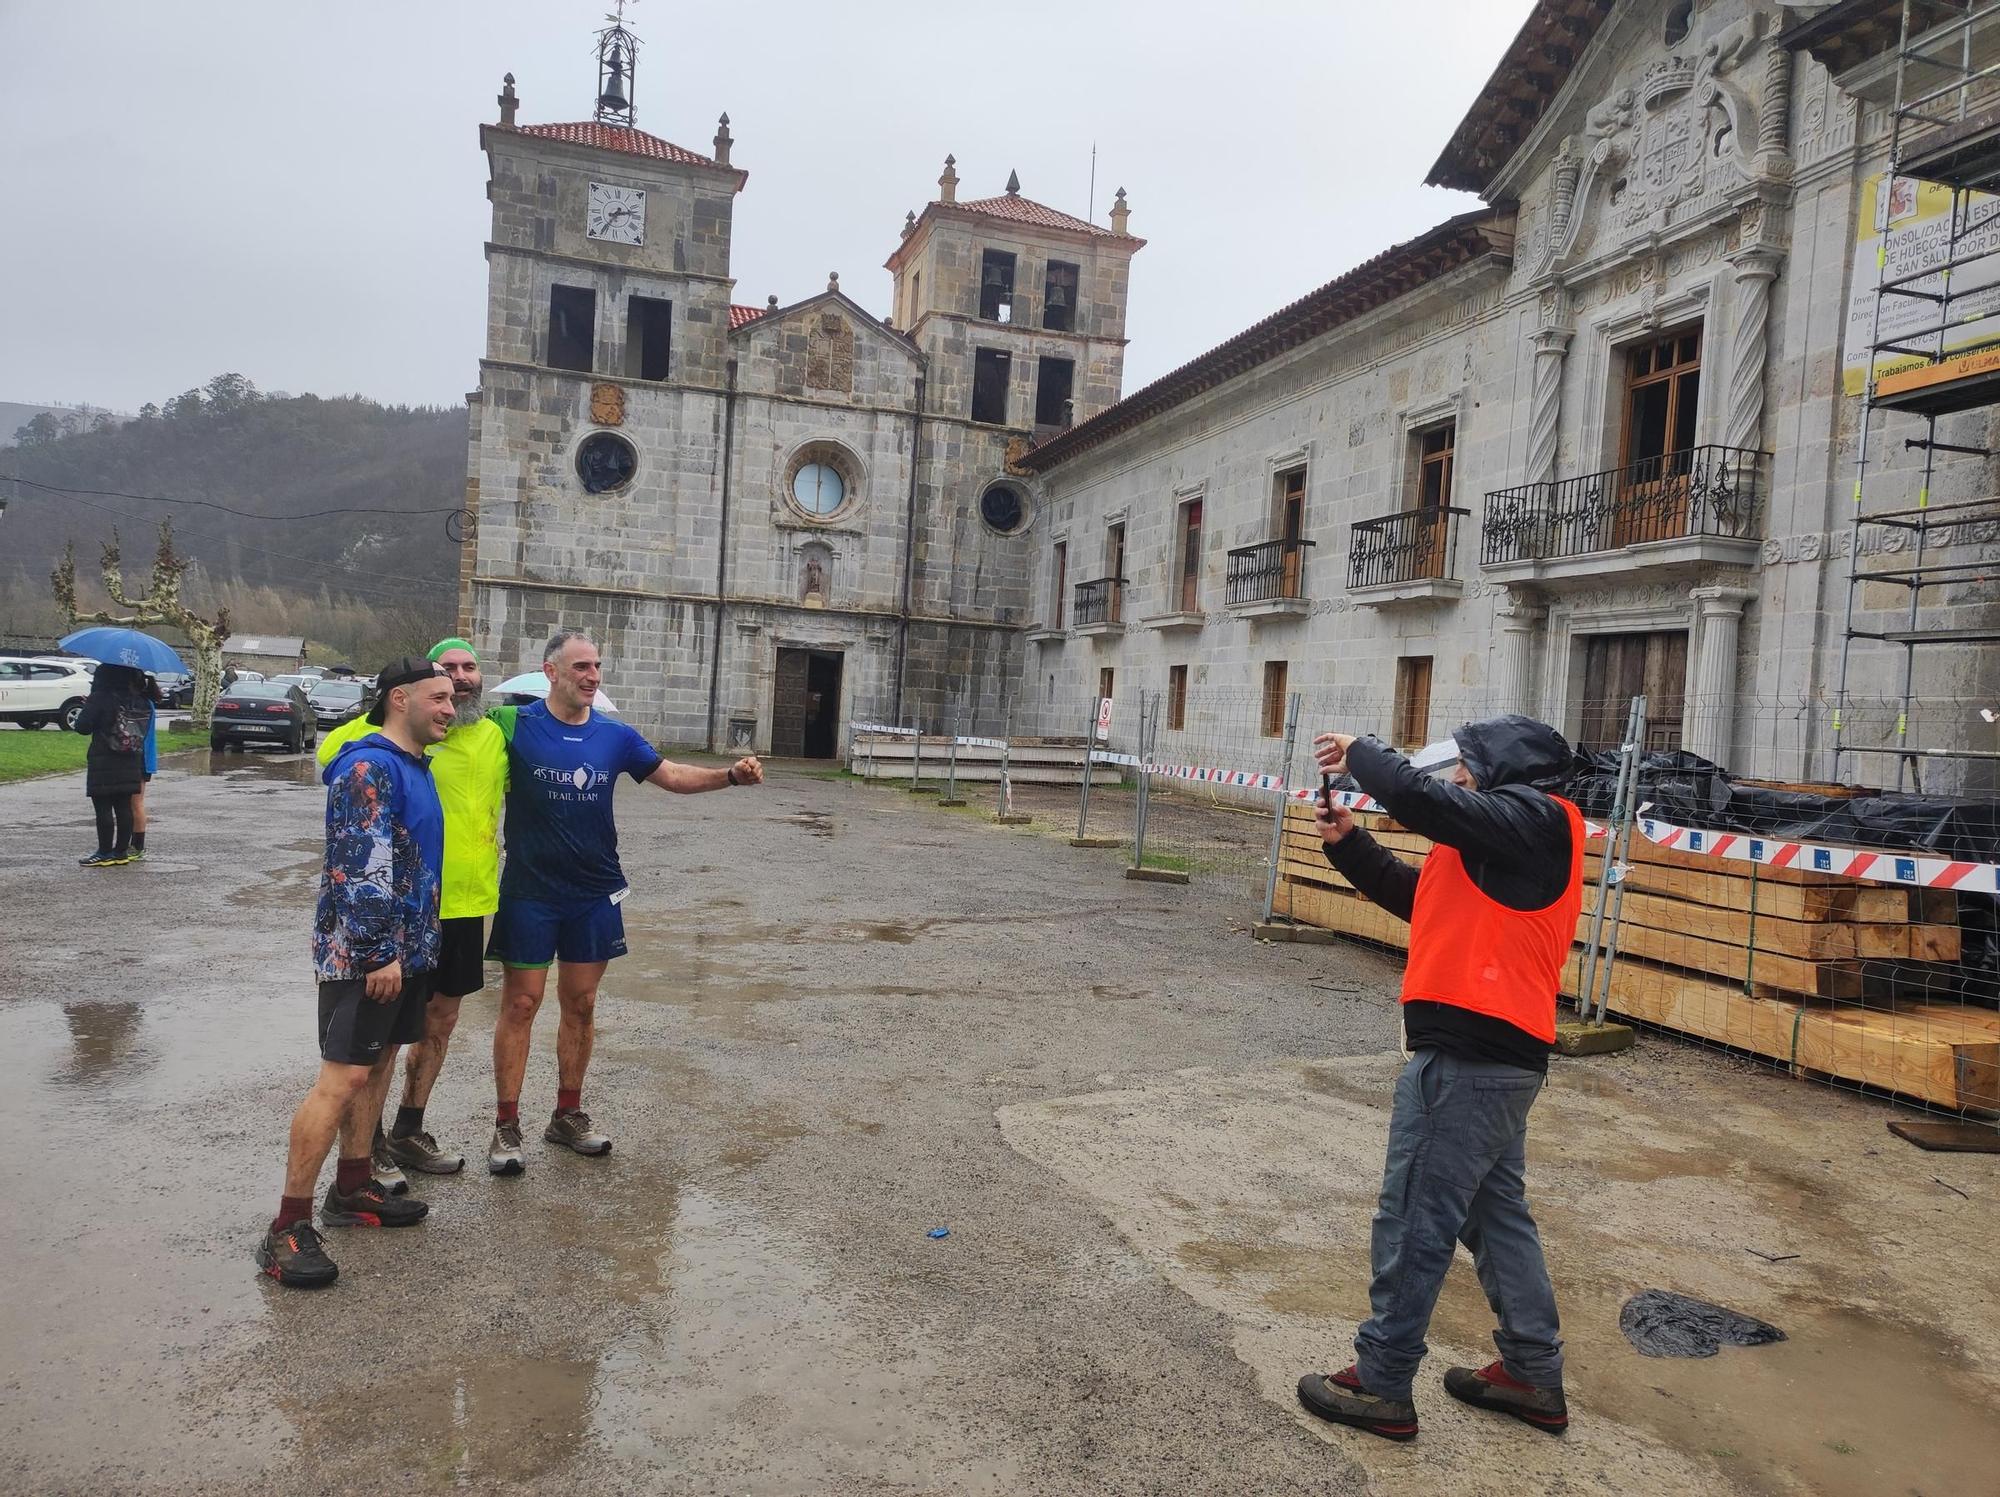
830 354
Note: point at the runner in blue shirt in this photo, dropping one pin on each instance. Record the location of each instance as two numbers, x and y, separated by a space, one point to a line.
561 887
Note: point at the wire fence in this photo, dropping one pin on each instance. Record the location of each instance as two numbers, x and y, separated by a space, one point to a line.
1845 932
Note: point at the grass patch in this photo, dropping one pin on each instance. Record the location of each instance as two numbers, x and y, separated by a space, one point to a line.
24 755
1169 862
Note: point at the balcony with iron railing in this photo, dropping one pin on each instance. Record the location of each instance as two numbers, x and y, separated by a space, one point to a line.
1267 580
1100 606
1406 557
1698 506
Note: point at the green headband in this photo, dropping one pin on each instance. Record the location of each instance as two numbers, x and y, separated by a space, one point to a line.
452 644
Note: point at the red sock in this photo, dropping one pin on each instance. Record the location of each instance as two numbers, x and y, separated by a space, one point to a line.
350 1175
508 1112
292 1209
569 1099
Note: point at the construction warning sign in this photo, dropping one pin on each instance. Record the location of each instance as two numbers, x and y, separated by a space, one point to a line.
1910 231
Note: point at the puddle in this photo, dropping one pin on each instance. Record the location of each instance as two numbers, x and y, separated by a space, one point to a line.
254 769
814 823
104 1043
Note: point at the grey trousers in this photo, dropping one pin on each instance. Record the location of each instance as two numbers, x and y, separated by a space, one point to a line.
1456 1172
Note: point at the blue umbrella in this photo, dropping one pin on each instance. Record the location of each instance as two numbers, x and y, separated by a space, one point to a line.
109 646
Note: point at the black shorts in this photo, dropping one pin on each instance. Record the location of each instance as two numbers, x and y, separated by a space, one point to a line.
354 1029
461 967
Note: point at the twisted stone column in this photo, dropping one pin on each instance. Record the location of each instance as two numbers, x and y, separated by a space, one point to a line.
1545 403
1711 712
1774 110
1750 347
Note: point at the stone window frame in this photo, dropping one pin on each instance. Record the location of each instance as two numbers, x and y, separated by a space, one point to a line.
1059 579
1412 423
837 455
1193 492
1303 455
1029 509
1571 623
1601 432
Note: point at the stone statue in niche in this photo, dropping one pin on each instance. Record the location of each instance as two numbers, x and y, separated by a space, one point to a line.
815 564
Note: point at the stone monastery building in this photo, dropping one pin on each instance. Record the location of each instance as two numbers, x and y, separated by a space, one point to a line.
1598 435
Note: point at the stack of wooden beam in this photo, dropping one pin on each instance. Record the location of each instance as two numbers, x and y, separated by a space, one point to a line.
1836 977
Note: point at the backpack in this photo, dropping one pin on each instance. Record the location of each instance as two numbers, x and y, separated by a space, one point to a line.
127 733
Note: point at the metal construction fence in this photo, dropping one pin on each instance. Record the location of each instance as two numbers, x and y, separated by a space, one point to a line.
1849 933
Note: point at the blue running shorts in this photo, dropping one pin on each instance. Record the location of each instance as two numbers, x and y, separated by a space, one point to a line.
536 932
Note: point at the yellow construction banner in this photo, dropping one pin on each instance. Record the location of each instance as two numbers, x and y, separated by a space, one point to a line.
1911 231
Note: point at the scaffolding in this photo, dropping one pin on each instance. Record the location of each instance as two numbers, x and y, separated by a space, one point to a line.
1934 349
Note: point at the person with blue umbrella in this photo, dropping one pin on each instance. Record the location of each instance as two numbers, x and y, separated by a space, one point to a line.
112 645
115 716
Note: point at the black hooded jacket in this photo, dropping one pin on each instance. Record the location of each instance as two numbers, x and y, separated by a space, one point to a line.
1514 839
114 715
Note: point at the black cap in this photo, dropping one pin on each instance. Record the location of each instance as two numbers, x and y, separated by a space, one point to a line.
399 672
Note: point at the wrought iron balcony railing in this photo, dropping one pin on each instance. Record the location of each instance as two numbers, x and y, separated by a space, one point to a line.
1700 491
1265 572
1410 546
1100 602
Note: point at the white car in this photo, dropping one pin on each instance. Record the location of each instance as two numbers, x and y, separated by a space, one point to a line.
37 692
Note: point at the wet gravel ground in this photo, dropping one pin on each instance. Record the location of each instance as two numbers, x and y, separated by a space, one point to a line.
832 989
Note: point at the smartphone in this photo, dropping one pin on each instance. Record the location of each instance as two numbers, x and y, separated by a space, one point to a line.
1326 790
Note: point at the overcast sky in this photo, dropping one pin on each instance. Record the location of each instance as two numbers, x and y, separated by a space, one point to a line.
296 192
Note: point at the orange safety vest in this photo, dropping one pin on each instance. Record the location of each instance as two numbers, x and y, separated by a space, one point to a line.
1471 951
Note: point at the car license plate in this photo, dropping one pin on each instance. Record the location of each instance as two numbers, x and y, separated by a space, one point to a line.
253 728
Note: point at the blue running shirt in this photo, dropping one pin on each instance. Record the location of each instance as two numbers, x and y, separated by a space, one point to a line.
562 843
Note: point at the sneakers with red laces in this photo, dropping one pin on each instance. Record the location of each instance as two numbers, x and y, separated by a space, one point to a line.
1339 1398
370 1205
1494 1387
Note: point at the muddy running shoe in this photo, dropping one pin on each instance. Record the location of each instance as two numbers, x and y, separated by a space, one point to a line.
294 1258
1340 1398
104 860
382 1165
503 1155
420 1152
573 1131
1493 1387
370 1206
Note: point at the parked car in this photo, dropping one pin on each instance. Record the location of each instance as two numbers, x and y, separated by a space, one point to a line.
296 678
263 712
43 690
176 688
336 701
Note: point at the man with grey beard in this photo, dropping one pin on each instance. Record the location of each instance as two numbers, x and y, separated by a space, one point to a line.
470 771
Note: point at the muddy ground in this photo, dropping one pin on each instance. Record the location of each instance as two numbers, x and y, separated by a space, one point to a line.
849 1018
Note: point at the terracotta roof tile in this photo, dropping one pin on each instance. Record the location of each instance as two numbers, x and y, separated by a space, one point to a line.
1395 272
1028 211
738 316
622 138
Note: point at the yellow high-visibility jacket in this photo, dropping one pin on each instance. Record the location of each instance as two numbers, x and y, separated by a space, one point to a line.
470 770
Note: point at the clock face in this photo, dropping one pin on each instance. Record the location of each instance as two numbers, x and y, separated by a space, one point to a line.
616 213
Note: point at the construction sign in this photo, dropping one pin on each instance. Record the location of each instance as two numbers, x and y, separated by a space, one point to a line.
1909 232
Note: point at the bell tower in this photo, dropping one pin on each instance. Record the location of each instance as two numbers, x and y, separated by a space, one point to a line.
617 70
1019 306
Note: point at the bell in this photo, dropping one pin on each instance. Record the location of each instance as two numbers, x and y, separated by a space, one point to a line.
614 99
1058 297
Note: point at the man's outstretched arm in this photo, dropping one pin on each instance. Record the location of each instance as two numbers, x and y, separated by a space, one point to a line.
691 779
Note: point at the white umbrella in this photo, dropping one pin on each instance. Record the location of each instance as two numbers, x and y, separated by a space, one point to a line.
535 684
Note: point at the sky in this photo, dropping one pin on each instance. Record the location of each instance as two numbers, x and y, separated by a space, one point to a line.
296 192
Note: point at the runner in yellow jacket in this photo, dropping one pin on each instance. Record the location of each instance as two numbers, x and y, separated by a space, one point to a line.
470 770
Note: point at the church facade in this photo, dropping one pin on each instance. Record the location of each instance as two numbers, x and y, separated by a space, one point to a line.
1593 437
779 520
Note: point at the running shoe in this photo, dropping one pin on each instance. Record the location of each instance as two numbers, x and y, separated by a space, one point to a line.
1339 1398
104 860
1494 1387
370 1206
382 1165
293 1256
573 1131
503 1155
421 1152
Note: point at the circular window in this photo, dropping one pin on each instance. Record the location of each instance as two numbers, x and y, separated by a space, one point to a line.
818 489
1000 507
605 461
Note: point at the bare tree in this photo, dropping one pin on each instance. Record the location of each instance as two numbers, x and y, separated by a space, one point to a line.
160 604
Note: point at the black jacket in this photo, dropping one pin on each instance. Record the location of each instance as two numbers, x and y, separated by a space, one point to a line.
1514 839
115 704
